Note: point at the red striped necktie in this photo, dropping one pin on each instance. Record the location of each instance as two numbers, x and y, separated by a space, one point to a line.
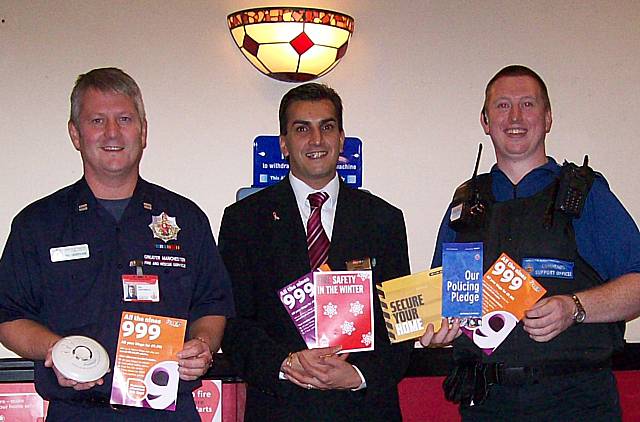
317 239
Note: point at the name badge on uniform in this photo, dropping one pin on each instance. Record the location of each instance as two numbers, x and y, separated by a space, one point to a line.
69 253
548 267
140 288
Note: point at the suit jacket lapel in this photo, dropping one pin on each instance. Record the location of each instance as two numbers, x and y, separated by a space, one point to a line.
343 236
288 232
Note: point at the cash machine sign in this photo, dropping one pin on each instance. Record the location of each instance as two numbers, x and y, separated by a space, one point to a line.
164 227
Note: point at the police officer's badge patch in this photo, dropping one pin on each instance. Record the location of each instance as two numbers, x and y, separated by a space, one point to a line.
164 227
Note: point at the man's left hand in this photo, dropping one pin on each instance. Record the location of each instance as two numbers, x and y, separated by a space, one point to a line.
195 359
549 317
330 372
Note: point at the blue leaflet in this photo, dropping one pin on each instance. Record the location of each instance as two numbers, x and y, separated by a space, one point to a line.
462 280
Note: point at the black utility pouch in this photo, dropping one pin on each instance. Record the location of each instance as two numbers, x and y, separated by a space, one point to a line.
467 383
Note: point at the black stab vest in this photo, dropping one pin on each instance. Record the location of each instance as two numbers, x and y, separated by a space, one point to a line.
516 227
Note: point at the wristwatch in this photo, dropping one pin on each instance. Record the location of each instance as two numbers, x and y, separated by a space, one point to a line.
580 314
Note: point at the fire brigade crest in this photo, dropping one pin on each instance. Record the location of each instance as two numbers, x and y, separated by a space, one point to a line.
164 227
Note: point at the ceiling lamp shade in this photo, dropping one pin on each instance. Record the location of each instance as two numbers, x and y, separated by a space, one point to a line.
291 44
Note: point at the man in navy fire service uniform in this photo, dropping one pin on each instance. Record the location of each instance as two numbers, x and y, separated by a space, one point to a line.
564 226
67 264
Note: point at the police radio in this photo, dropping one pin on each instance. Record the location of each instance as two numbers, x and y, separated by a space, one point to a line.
468 209
573 187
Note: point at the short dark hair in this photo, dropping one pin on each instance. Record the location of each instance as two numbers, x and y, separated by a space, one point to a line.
518 70
309 92
106 79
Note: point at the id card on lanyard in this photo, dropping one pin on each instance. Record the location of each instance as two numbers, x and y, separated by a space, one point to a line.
140 288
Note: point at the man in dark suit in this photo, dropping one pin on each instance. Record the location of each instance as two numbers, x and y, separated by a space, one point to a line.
265 247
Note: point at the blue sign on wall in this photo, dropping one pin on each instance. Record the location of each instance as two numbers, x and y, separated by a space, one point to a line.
270 166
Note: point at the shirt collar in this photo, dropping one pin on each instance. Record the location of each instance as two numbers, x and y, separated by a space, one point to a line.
301 190
550 165
534 181
84 199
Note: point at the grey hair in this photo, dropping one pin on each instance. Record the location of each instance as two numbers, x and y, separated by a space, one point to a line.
107 79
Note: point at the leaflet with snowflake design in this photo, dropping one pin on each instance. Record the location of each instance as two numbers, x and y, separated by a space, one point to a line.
344 310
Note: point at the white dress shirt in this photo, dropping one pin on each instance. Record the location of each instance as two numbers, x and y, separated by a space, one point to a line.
301 190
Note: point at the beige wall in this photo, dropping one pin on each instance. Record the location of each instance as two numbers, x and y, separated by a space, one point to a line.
412 83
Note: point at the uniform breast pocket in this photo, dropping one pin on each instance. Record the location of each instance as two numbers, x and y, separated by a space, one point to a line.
176 291
68 275
72 288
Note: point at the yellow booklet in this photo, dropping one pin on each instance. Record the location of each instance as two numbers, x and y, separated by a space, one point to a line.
410 303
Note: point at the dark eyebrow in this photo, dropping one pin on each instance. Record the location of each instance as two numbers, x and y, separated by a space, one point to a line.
524 97
300 122
329 120
307 122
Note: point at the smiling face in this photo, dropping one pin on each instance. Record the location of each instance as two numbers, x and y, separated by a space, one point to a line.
517 120
313 141
110 136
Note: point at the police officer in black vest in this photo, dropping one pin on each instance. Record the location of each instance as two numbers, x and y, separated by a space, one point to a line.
568 230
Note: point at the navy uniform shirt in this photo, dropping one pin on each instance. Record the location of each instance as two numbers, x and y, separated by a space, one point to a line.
85 296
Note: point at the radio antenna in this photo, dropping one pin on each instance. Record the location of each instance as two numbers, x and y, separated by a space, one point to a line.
475 170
